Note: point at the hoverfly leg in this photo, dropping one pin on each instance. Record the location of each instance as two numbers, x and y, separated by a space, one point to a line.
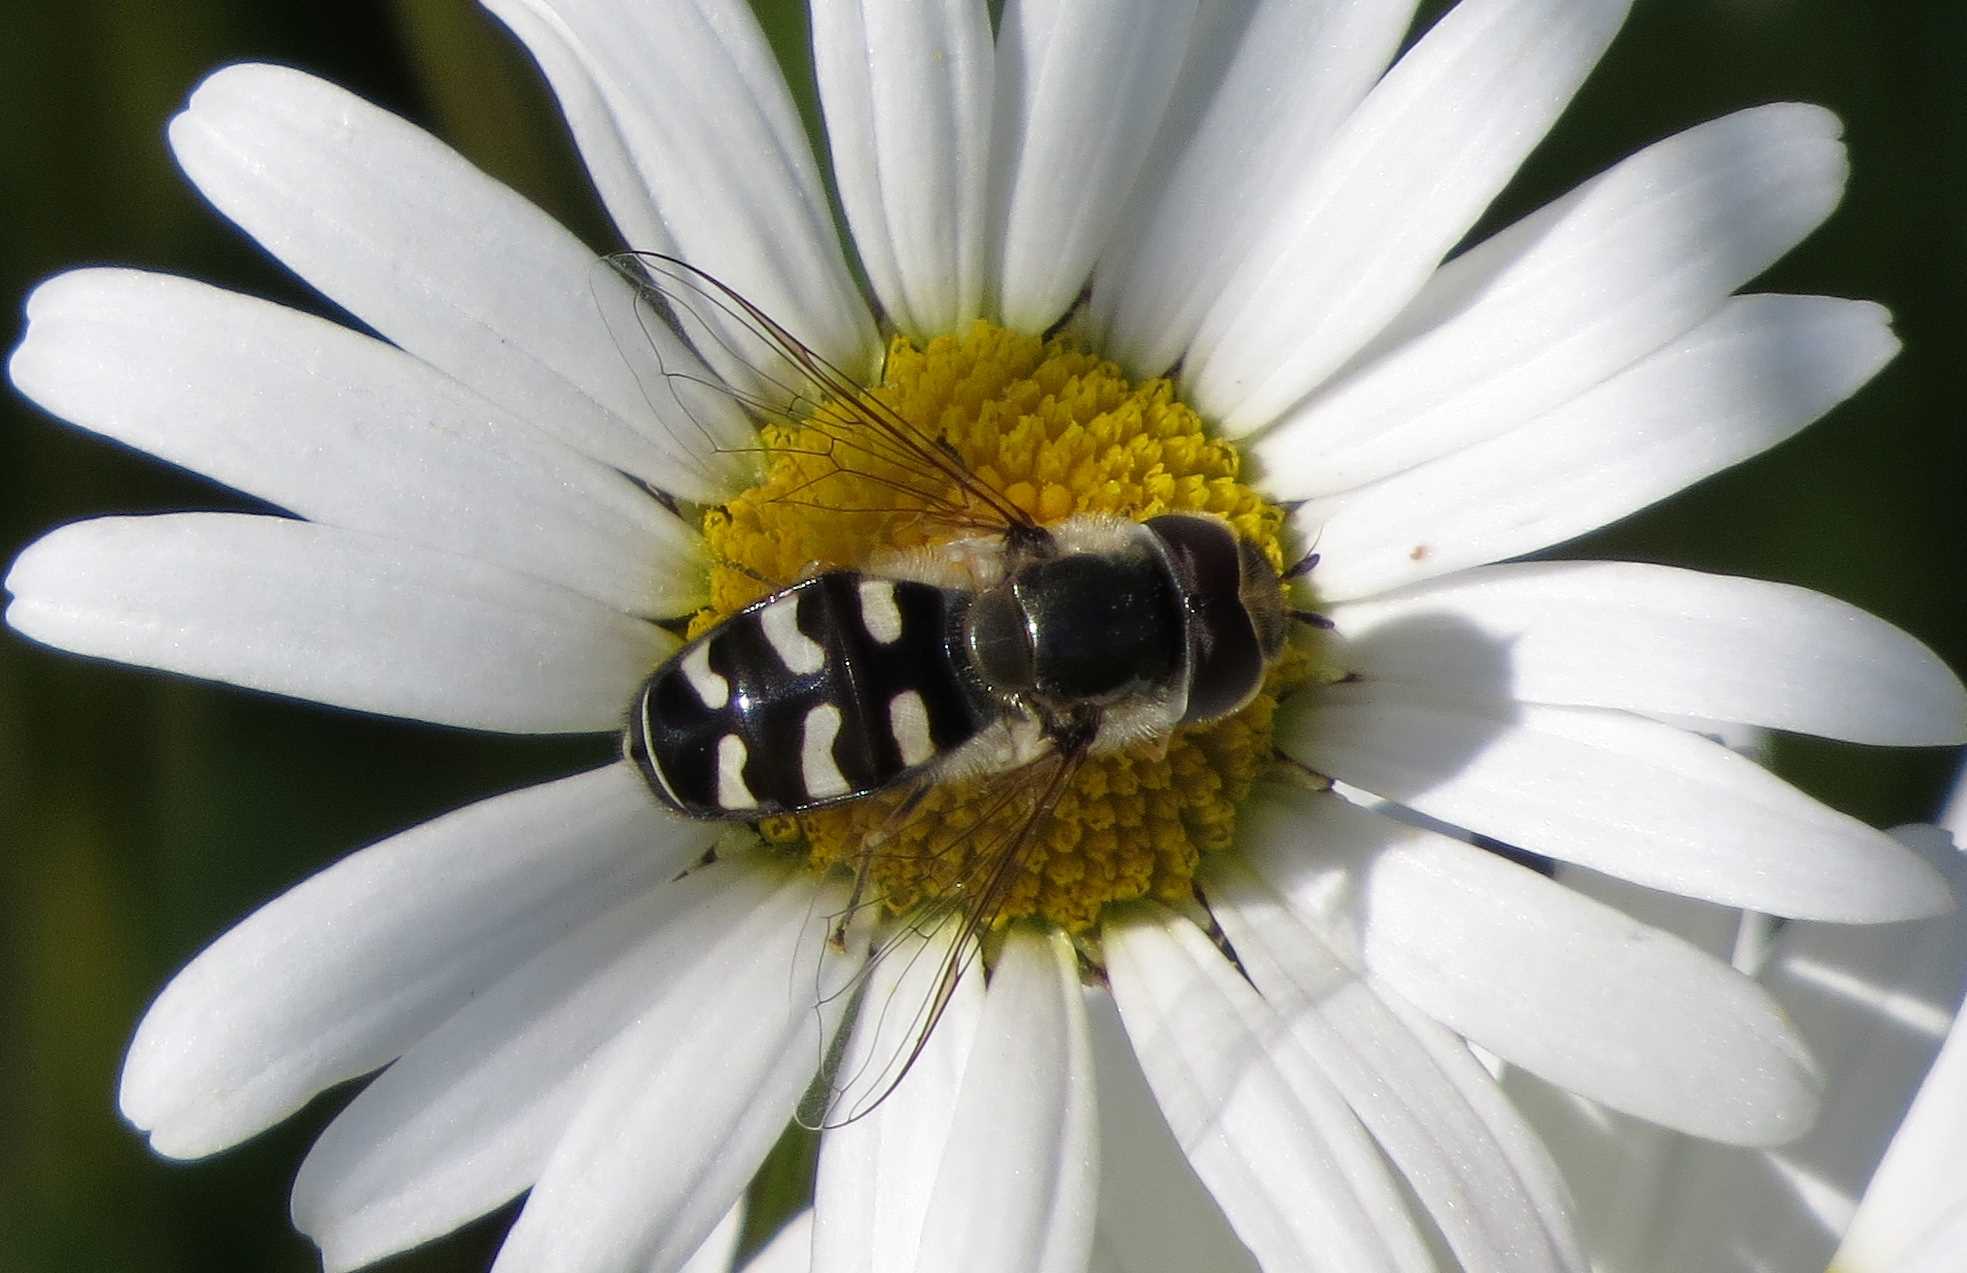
838 937
664 498
864 861
1301 567
707 858
1075 731
1312 619
771 584
1300 774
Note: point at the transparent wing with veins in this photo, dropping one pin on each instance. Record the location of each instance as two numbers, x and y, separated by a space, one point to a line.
778 379
919 963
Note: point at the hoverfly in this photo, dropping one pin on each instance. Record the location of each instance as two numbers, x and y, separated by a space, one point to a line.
1004 656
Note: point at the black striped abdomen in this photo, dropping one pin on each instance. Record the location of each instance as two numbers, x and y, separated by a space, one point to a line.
827 691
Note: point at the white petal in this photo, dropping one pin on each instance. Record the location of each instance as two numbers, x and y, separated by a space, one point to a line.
876 1173
447 263
343 429
1272 80
1622 1167
1876 1005
1017 1189
685 1104
466 1119
789 1251
1298 1178
1103 1260
346 970
1634 798
1617 1166
1451 1158
338 617
1757 372
1661 641
1553 305
907 90
1549 980
1155 1214
1404 178
684 118
719 1251
1475 1077
1081 88
1938 1250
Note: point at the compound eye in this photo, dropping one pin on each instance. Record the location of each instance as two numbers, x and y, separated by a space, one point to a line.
999 639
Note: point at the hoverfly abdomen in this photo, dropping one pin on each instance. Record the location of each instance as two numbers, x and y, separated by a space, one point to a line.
830 690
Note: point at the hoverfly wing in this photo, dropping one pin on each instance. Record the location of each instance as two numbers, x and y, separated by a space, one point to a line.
692 413
924 963
714 350
914 1008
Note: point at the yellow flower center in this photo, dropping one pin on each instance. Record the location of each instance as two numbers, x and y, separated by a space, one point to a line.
1059 432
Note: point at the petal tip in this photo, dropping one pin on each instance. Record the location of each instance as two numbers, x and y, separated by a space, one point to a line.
1921 891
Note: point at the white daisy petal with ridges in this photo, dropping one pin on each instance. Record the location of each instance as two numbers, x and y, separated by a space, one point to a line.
335 616
447 263
1445 1150
1614 1195
685 1104
1752 376
1913 1216
343 430
789 1251
465 1120
1875 1003
877 1173
911 152
1661 641
1081 88
1935 1250
1017 1189
1155 1215
1297 1177
677 92
1517 1141
1503 332
349 969
1649 1023
719 1251
1566 782
1404 178
1204 211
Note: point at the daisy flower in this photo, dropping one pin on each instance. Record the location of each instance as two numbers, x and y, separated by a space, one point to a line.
1123 259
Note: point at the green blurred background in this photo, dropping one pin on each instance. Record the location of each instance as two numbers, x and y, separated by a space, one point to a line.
141 815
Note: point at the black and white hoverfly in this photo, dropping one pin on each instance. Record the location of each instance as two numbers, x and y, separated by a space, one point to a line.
1013 652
